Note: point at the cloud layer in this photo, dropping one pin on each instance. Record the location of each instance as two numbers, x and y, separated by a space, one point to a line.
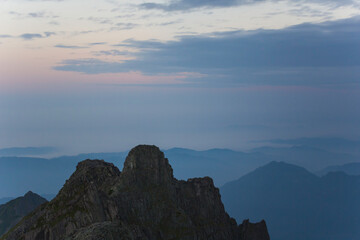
29 36
182 5
308 53
68 46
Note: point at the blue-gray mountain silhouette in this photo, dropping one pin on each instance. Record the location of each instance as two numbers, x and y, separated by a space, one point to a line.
13 211
349 168
223 165
27 151
297 204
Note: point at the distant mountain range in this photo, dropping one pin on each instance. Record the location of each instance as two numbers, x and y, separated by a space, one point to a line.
222 165
313 159
13 211
143 201
27 151
297 204
330 144
48 175
349 168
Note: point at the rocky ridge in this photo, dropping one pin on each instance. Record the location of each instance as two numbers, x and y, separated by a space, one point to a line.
144 201
13 211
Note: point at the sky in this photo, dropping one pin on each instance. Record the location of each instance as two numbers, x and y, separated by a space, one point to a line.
106 75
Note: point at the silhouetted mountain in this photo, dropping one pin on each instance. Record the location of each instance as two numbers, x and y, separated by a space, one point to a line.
313 159
349 168
13 211
144 201
26 151
330 144
223 165
297 204
39 174
5 200
43 175
48 197
117 158
48 175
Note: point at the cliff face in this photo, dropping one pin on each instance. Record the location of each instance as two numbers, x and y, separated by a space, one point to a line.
13 211
144 201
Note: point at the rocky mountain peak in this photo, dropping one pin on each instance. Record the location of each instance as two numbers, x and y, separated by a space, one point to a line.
90 174
94 169
87 188
144 201
253 231
146 164
30 194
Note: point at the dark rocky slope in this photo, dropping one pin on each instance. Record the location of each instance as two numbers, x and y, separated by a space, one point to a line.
144 201
13 211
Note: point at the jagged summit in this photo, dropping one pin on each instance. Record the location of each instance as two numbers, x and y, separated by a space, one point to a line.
92 177
95 169
144 201
146 165
91 163
255 230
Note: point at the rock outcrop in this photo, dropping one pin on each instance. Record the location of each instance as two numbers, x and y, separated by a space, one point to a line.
13 211
253 231
144 201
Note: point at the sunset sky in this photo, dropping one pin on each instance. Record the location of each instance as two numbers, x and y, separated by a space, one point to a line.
105 75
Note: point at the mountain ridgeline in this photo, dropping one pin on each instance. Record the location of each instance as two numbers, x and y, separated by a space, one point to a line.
47 175
297 204
13 211
144 201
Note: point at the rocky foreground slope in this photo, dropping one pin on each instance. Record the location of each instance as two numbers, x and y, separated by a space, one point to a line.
144 201
13 211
